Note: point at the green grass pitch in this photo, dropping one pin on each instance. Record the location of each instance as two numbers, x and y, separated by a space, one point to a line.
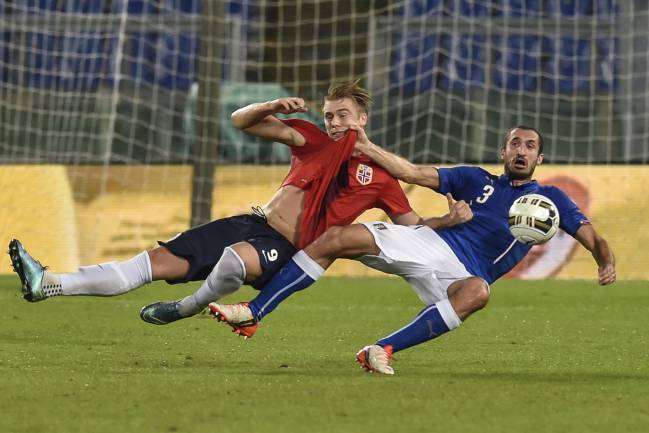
546 356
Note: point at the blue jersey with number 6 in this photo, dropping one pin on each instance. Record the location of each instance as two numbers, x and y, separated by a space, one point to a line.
485 245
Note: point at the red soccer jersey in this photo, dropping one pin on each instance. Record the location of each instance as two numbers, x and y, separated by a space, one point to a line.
369 186
314 169
337 189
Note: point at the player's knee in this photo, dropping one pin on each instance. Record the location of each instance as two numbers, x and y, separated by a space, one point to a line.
228 274
469 296
230 267
480 293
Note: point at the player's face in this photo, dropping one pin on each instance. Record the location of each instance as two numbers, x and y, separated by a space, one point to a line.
521 154
341 113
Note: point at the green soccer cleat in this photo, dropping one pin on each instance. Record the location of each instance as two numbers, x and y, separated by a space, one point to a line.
31 273
161 313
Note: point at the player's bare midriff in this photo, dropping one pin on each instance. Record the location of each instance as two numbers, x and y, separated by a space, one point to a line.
284 212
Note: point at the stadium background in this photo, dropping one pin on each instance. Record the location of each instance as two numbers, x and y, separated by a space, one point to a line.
114 115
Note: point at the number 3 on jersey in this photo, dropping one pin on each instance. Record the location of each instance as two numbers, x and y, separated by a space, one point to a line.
488 190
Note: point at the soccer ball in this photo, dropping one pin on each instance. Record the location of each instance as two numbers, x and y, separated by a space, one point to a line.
533 219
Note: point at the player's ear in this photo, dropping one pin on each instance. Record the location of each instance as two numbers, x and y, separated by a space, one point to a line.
539 159
502 152
362 119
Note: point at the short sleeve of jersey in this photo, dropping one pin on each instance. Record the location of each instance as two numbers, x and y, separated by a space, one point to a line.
313 136
394 200
454 180
570 216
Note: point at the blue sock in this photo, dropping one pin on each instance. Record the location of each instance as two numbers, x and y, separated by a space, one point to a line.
298 274
430 323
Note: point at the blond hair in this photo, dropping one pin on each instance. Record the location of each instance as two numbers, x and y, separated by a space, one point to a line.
350 89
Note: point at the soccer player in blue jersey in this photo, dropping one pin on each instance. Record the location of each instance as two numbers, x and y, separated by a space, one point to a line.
450 268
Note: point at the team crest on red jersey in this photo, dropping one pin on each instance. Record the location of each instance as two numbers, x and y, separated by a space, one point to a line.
364 174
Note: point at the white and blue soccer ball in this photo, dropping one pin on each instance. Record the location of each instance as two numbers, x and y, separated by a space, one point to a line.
533 219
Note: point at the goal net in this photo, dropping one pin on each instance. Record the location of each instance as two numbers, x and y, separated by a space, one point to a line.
114 114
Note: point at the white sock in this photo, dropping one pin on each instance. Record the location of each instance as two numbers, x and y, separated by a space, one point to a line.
107 279
308 265
51 284
226 277
448 314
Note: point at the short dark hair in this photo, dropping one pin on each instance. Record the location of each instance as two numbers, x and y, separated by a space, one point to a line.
350 89
528 128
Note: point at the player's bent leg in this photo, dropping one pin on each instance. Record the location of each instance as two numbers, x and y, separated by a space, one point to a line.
433 321
228 275
308 265
468 296
106 279
465 297
299 273
342 242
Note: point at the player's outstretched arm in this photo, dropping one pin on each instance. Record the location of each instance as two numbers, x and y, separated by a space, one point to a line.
458 212
598 247
258 119
397 166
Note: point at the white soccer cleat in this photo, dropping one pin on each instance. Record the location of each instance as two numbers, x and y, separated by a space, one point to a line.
238 316
375 358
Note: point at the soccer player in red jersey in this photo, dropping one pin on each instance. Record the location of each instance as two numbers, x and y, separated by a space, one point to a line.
327 185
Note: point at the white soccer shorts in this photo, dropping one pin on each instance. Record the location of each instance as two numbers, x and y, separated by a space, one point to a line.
417 254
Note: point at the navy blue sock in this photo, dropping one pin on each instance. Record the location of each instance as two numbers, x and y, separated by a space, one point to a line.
290 279
430 323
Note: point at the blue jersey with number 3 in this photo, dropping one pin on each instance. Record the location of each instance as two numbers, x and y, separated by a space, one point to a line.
485 245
